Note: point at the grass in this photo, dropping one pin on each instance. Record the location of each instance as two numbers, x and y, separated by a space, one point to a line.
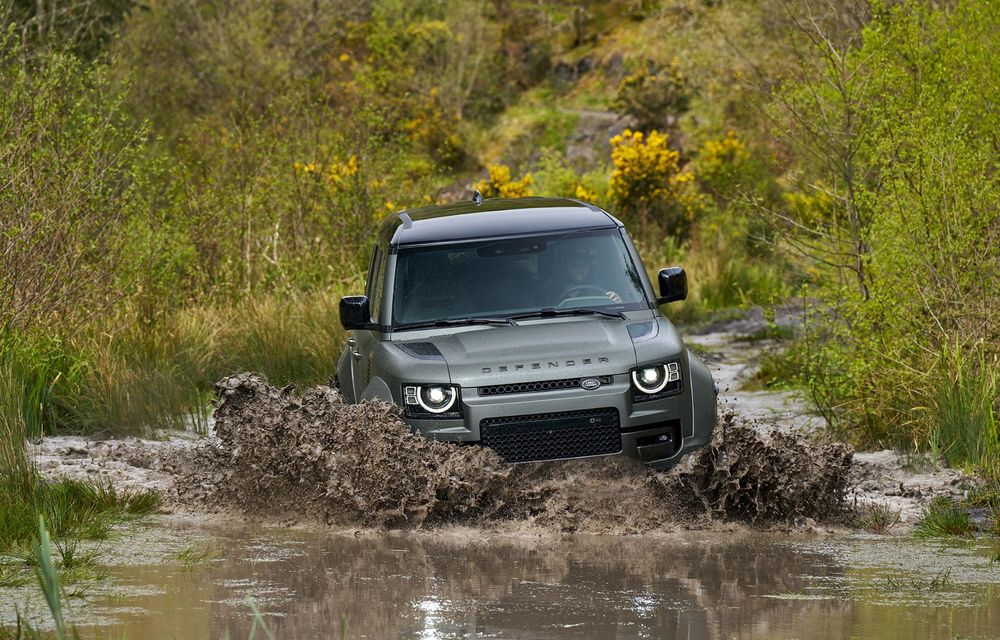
141 377
944 518
876 517
11 576
965 410
191 558
939 582
73 509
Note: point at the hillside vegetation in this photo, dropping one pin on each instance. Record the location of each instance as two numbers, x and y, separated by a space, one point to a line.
189 186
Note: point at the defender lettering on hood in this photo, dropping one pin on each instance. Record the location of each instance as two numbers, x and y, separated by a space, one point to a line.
551 364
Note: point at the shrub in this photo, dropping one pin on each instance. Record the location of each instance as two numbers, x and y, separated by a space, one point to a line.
500 184
722 164
649 185
70 160
903 241
654 96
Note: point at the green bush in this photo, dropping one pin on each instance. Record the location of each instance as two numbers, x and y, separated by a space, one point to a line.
654 96
904 259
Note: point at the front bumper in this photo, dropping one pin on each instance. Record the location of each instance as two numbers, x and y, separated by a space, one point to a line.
656 432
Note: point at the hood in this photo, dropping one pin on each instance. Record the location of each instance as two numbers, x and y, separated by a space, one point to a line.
537 350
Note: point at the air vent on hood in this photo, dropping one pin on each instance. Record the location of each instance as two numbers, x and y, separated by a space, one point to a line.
421 350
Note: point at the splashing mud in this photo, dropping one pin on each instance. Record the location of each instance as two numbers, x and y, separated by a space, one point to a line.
279 454
750 473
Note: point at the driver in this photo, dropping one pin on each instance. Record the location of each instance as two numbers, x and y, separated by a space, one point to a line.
581 267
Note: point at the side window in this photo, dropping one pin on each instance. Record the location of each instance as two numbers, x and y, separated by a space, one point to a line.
378 290
373 269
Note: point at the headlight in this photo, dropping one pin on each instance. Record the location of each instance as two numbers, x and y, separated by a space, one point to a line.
656 380
434 399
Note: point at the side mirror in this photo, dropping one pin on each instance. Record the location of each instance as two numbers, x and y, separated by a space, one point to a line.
673 285
355 313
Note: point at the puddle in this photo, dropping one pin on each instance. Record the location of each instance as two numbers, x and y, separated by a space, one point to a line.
464 584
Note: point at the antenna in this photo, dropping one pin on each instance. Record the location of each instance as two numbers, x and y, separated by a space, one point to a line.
407 221
477 197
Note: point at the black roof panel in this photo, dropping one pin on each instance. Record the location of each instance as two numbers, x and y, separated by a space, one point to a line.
493 218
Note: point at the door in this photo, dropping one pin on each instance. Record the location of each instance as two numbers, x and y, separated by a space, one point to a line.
362 342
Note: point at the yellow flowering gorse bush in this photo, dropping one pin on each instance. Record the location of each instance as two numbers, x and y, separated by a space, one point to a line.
500 184
722 165
648 180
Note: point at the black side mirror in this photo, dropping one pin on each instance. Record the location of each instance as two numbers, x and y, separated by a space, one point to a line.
673 285
355 313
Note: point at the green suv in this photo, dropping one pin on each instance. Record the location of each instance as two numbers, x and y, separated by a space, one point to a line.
529 326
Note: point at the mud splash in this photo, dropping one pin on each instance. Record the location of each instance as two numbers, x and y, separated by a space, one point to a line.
282 455
752 473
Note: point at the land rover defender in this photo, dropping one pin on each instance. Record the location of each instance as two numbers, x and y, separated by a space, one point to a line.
527 325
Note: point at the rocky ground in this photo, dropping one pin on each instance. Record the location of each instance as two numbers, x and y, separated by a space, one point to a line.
287 456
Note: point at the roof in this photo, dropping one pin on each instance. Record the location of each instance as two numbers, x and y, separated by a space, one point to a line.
497 217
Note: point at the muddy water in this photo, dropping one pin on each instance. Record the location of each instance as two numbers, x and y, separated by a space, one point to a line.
468 585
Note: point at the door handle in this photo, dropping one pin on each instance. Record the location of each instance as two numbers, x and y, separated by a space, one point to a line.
351 342
356 354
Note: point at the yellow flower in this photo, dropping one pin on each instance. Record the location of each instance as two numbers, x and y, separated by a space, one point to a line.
582 193
501 185
345 57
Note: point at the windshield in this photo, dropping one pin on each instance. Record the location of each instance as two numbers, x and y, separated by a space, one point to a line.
493 278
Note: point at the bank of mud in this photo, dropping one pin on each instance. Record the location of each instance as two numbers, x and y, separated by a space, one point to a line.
283 455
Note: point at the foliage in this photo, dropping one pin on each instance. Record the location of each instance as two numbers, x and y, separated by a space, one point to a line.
649 185
943 518
83 27
722 164
903 254
654 96
69 194
963 412
500 184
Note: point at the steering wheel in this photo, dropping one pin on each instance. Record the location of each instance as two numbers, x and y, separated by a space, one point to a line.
582 288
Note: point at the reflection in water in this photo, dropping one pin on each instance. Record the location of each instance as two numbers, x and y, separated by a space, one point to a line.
689 586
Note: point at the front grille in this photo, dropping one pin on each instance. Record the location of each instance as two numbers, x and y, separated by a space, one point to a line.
541 385
550 436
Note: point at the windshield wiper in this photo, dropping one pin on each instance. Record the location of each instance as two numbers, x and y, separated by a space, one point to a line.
453 322
551 312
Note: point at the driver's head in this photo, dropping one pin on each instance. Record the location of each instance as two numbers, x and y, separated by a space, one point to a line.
581 265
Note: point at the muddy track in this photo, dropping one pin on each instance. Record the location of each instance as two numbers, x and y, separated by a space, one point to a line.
281 455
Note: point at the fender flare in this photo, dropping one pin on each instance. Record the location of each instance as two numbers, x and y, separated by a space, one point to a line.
377 389
345 376
704 398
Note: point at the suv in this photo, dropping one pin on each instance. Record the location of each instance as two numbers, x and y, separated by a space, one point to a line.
527 325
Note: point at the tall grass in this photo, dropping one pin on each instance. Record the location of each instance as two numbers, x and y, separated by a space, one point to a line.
964 409
74 509
138 377
18 475
722 275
